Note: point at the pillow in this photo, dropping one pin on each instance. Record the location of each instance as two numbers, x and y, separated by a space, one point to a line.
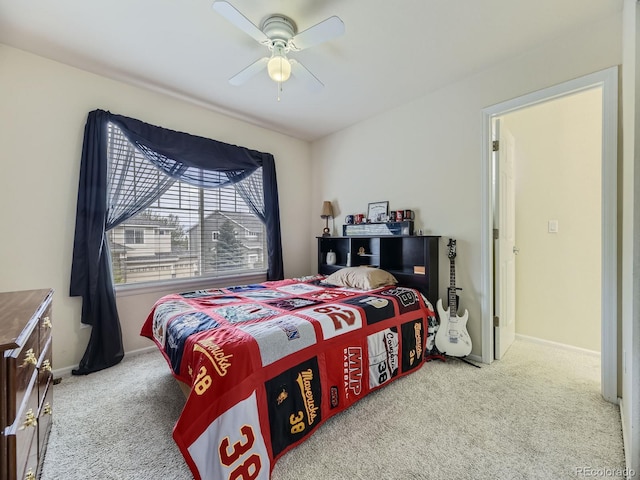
362 278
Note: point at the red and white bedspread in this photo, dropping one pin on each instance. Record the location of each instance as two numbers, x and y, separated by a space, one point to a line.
269 363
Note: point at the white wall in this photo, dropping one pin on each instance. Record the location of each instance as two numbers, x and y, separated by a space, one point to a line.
44 107
426 155
558 163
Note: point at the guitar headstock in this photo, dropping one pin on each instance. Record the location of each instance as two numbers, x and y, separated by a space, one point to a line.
452 249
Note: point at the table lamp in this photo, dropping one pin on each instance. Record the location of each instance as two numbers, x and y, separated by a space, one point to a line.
327 211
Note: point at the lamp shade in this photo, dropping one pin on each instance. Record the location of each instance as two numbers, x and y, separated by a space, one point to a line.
327 210
278 66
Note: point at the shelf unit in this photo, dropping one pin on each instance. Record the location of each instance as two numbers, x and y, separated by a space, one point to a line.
397 254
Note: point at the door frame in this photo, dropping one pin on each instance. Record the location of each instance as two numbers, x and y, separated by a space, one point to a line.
607 80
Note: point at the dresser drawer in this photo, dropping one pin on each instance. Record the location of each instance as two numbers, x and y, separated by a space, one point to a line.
21 434
45 375
31 467
21 363
4 396
44 326
45 417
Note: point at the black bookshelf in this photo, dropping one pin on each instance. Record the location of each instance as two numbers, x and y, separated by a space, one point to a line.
412 259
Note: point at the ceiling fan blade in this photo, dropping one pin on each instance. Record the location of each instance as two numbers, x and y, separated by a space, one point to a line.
248 72
230 12
330 28
310 80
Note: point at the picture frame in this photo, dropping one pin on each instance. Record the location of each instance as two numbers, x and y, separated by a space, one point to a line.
378 212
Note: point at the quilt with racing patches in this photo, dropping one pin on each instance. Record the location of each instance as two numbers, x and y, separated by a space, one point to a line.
269 363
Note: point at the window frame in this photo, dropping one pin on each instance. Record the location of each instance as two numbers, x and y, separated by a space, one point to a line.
182 202
137 233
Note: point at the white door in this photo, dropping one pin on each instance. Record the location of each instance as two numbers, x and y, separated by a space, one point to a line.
505 244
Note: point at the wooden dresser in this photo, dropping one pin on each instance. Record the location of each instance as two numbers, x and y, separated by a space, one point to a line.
26 384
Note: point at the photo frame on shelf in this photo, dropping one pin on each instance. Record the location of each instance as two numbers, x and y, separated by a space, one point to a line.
378 212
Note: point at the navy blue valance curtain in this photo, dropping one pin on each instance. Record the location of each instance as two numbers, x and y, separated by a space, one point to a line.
181 156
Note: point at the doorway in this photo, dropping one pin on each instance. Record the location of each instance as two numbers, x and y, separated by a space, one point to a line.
606 83
549 161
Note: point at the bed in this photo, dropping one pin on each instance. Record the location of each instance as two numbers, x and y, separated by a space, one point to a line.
267 364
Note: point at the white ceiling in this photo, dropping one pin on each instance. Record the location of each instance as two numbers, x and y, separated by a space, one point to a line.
391 53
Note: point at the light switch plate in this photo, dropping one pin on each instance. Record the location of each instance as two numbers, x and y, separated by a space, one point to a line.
553 226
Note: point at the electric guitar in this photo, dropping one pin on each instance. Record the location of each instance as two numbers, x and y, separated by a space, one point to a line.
452 337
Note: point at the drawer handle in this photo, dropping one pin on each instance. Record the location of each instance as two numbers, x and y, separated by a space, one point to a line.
46 365
29 358
30 419
46 322
47 410
30 475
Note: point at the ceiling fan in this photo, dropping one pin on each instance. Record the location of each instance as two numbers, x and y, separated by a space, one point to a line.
280 35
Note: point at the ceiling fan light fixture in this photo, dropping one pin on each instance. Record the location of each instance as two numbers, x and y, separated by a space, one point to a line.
280 35
279 67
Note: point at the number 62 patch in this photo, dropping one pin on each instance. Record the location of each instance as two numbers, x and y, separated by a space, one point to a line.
335 319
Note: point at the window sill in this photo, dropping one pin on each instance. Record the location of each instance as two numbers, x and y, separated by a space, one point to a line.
190 284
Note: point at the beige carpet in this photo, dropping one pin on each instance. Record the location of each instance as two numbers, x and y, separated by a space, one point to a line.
537 414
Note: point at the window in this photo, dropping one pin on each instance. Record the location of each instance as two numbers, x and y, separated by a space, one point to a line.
187 232
133 235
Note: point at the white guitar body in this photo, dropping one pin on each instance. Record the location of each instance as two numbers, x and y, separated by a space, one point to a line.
452 337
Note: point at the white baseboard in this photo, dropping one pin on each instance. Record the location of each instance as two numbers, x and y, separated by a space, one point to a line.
630 471
564 346
475 358
66 371
625 435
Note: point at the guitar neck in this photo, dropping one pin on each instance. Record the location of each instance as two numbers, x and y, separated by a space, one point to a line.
453 300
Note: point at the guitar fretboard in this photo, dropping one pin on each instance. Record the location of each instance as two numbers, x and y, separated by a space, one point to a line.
453 300
453 308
